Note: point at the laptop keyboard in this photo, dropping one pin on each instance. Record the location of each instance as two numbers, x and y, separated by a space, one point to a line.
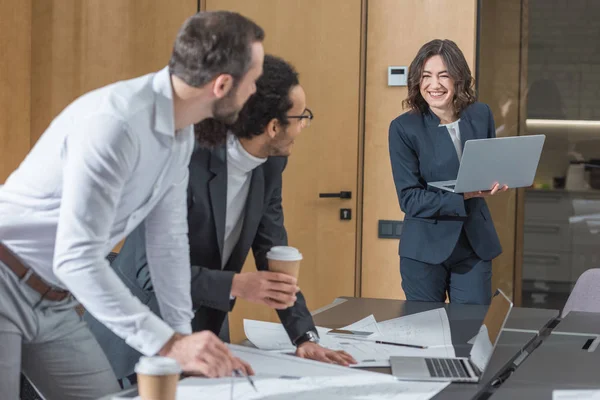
446 368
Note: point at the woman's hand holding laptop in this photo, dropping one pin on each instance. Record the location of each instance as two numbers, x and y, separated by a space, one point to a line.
484 193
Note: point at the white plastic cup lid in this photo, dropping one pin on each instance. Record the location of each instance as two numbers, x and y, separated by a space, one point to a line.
284 253
157 366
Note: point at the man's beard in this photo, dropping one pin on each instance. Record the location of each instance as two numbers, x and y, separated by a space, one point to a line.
277 147
224 110
212 132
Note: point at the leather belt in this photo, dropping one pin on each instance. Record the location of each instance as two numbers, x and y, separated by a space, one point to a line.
30 277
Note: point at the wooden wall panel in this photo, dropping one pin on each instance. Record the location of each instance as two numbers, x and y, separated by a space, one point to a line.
15 73
396 30
79 45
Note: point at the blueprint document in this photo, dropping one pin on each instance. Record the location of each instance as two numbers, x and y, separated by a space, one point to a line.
272 336
428 328
367 324
368 353
276 364
364 387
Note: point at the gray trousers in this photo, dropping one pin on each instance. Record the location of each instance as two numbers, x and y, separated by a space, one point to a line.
50 343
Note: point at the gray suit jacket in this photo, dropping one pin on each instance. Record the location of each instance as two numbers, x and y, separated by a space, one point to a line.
421 151
211 286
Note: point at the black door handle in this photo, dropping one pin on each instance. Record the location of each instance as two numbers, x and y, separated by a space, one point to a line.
341 195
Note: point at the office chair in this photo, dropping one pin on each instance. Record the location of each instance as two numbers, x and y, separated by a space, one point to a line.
585 296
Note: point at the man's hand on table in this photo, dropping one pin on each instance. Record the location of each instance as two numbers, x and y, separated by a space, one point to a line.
203 353
316 352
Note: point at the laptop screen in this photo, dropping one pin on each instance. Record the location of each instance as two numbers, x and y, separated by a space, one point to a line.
490 330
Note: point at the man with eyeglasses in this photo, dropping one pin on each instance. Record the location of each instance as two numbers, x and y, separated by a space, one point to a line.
234 204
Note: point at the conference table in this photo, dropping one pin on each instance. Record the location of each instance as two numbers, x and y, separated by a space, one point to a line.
568 359
523 329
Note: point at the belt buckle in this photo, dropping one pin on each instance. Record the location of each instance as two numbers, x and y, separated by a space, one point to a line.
25 278
43 295
57 291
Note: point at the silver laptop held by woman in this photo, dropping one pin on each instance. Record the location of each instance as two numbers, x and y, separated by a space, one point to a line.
508 161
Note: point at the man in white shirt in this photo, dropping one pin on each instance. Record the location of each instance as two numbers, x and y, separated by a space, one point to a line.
113 158
234 205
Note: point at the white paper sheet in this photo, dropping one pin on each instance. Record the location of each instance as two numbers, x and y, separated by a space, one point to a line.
371 354
267 335
276 364
272 336
428 328
367 324
576 395
374 386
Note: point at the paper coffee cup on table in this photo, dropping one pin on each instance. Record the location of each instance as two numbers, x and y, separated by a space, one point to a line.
157 378
284 259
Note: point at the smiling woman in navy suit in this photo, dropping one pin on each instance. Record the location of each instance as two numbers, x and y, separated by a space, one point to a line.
449 239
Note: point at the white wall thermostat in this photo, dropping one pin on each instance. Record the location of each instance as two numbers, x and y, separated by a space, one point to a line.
397 76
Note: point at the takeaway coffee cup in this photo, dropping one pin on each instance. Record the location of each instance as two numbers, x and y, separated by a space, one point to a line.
157 378
284 259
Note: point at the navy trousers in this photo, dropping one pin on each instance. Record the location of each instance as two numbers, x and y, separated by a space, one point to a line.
464 276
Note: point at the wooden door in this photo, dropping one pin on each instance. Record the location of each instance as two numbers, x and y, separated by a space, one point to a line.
396 31
322 40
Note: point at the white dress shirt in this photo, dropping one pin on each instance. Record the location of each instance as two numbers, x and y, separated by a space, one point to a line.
240 165
454 132
111 159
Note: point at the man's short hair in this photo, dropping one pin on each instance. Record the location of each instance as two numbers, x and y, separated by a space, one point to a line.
214 43
271 100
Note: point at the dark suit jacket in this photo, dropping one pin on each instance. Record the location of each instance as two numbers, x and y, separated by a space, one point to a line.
262 229
421 152
211 286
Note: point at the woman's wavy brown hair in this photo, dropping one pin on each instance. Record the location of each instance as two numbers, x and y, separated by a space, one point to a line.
458 69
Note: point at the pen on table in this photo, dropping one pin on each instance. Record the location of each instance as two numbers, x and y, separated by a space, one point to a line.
240 373
414 346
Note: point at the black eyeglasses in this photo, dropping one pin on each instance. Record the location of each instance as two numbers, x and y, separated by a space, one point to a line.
305 118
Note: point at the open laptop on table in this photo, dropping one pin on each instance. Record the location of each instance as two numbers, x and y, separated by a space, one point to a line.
460 369
508 161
